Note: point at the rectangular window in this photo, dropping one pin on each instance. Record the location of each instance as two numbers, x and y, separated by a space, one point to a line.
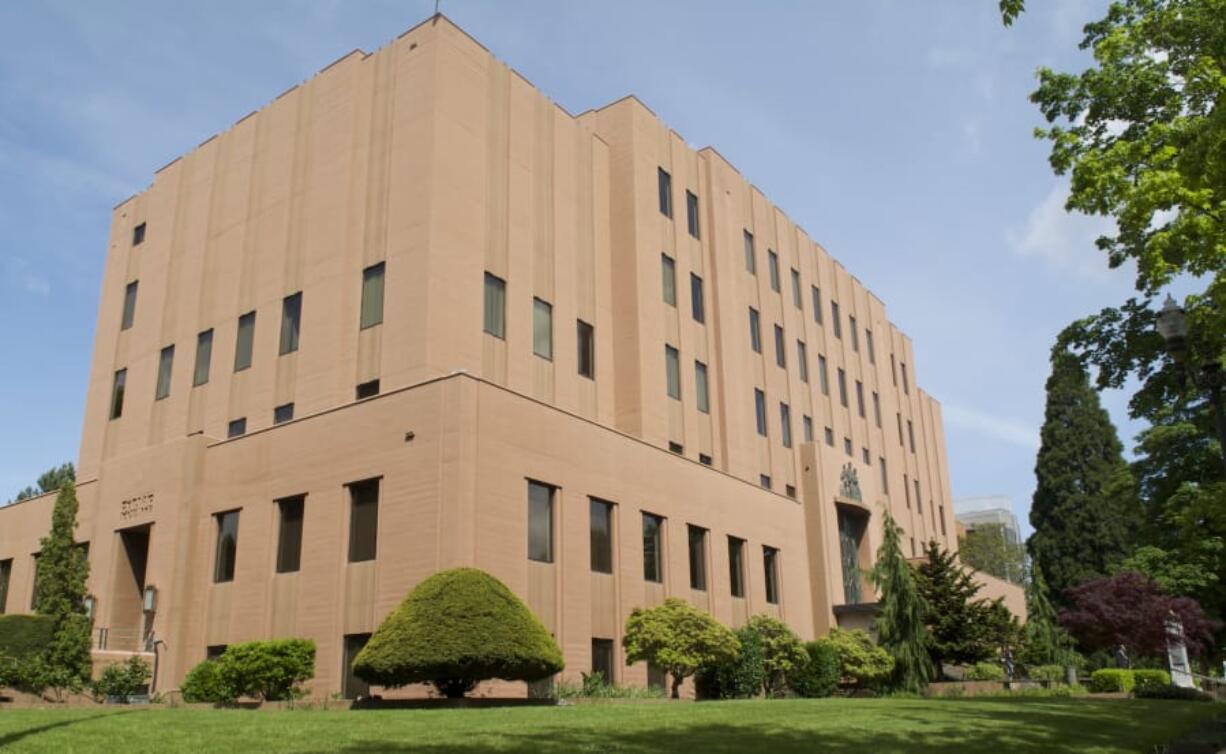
781 357
653 543
865 457
291 322
918 497
698 558
587 349
705 459
138 235
860 398
204 358
755 331
790 491
495 306
842 375
770 564
665 186
700 387
900 437
817 304
676 447
855 334
34 589
540 522
772 262
736 566
868 343
919 504
601 527
121 377
806 422
226 553
796 297
668 273
802 360
823 375
691 212
129 305
363 520
243 342
213 652
237 427
906 488
672 367
751 262
785 424
657 677
697 307
877 408
942 534
6 575
542 328
367 389
885 475
166 363
353 687
602 659
289 533
283 413
906 384
830 437
911 434
836 323
893 370
847 446
759 404
764 481
372 295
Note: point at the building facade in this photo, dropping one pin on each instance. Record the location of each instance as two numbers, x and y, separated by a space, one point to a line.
413 315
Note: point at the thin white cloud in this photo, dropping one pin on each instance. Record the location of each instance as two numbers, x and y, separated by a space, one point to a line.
1063 240
989 425
36 285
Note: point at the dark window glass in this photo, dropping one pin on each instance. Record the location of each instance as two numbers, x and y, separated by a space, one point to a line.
283 413
817 304
587 349
751 262
602 659
495 306
542 328
860 398
802 360
835 322
668 271
790 490
227 546
864 455
759 404
700 387
911 434
213 652
736 566
781 358
847 445
772 266
698 558
244 341
138 235
363 520
691 212
855 334
291 319
823 374
676 447
830 437
906 384
764 480
696 303
166 362
237 427
797 299
842 375
129 305
665 186
354 687
755 331
885 476
35 590
540 522
121 377
6 575
877 408
653 543
372 296
289 536
601 518
705 459
893 370
807 423
204 357
367 390
785 424
672 367
770 564
899 418
868 342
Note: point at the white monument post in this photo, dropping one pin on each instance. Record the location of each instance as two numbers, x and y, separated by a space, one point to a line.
1177 652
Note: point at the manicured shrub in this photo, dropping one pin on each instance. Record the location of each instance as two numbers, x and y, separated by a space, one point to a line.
782 651
121 680
741 677
1046 672
1110 680
269 670
454 630
24 635
819 676
205 684
679 638
985 671
1177 693
861 662
1147 679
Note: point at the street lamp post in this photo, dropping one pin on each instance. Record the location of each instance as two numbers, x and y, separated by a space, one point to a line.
1173 327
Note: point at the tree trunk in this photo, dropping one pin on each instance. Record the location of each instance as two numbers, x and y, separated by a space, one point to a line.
677 686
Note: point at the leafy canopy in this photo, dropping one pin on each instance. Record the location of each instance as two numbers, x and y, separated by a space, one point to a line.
988 549
678 638
1130 609
861 661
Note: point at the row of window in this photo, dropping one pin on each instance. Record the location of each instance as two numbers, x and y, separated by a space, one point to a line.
665 186
495 323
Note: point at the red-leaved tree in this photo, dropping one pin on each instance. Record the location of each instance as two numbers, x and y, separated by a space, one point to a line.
1129 608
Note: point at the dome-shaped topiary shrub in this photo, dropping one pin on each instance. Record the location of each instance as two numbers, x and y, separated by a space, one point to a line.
455 629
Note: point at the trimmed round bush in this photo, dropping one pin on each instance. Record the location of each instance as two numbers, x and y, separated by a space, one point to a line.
205 684
819 677
1111 680
741 677
454 630
861 661
1150 679
269 670
985 671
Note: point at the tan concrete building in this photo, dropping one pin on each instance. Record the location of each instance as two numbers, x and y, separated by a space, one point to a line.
414 315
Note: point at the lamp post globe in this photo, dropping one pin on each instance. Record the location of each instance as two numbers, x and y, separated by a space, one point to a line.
1172 325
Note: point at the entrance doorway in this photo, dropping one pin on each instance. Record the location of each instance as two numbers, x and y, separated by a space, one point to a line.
126 631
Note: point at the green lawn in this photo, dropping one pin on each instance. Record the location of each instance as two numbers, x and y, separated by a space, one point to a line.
999 726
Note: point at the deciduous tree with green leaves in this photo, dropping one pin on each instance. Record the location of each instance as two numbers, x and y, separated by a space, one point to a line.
678 638
988 549
901 610
63 568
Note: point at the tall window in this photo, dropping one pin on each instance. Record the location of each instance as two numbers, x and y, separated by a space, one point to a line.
363 520
885 475
697 308
836 323
121 377
817 304
911 434
781 357
823 374
842 387
672 368
830 437
653 548
906 384
601 527
860 398
372 295
772 263
855 334
244 341
770 565
540 522
665 185
138 235
353 687
906 488
807 424
698 557
868 343
796 297
918 498
291 322
602 659
495 306
893 370
691 212
204 357
227 547
759 404
755 331
802 360
785 424
166 363
736 566
700 387
289 534
751 262
877 408
129 305
6 575
587 349
542 328
899 418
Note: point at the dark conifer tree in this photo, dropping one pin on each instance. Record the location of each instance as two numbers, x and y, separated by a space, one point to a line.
63 568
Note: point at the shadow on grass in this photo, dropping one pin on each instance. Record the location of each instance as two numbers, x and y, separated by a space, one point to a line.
9 739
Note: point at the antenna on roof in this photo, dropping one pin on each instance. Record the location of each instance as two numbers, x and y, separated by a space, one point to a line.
436 2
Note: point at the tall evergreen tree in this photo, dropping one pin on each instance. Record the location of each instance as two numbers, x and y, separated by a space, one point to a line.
900 617
62 570
1085 509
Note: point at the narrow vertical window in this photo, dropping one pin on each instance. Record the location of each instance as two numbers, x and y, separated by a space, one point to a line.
691 212
6 575
668 274
817 304
860 398
653 553
759 405
540 522
755 331
911 434
226 552
601 528
138 235
736 566
847 446
698 558
495 306
893 370
363 520
842 377
291 322
697 307
770 564
835 322
117 384
855 334
665 186
289 533
129 305
751 262
772 263
868 343
166 363
785 424
244 341
918 497
587 349
542 328
900 437
877 409
807 423
885 475
702 395
906 384
672 367
823 374
372 295
802 360
797 299
781 358
830 437
602 660
204 358
353 687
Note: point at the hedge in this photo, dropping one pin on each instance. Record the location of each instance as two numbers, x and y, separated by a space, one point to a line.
270 670
1111 680
820 676
1150 679
1174 692
22 636
985 671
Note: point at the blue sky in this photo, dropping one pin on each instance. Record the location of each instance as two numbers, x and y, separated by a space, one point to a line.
898 134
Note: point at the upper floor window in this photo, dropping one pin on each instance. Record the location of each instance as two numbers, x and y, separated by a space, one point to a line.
697 308
291 322
226 553
283 413
781 358
672 368
701 389
665 185
117 386
138 235
885 475
759 403
906 385
911 434
802 360
363 520
668 268
751 262
785 424
244 341
868 343
796 297
540 522
166 362
877 408
807 425
372 295
587 349
290 512
691 212
836 323
237 427
204 357
893 370
830 437
755 331
770 564
368 389
495 306
842 375
817 304
600 517
860 398
129 305
698 557
823 375
653 548
736 566
855 334
772 264
542 328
